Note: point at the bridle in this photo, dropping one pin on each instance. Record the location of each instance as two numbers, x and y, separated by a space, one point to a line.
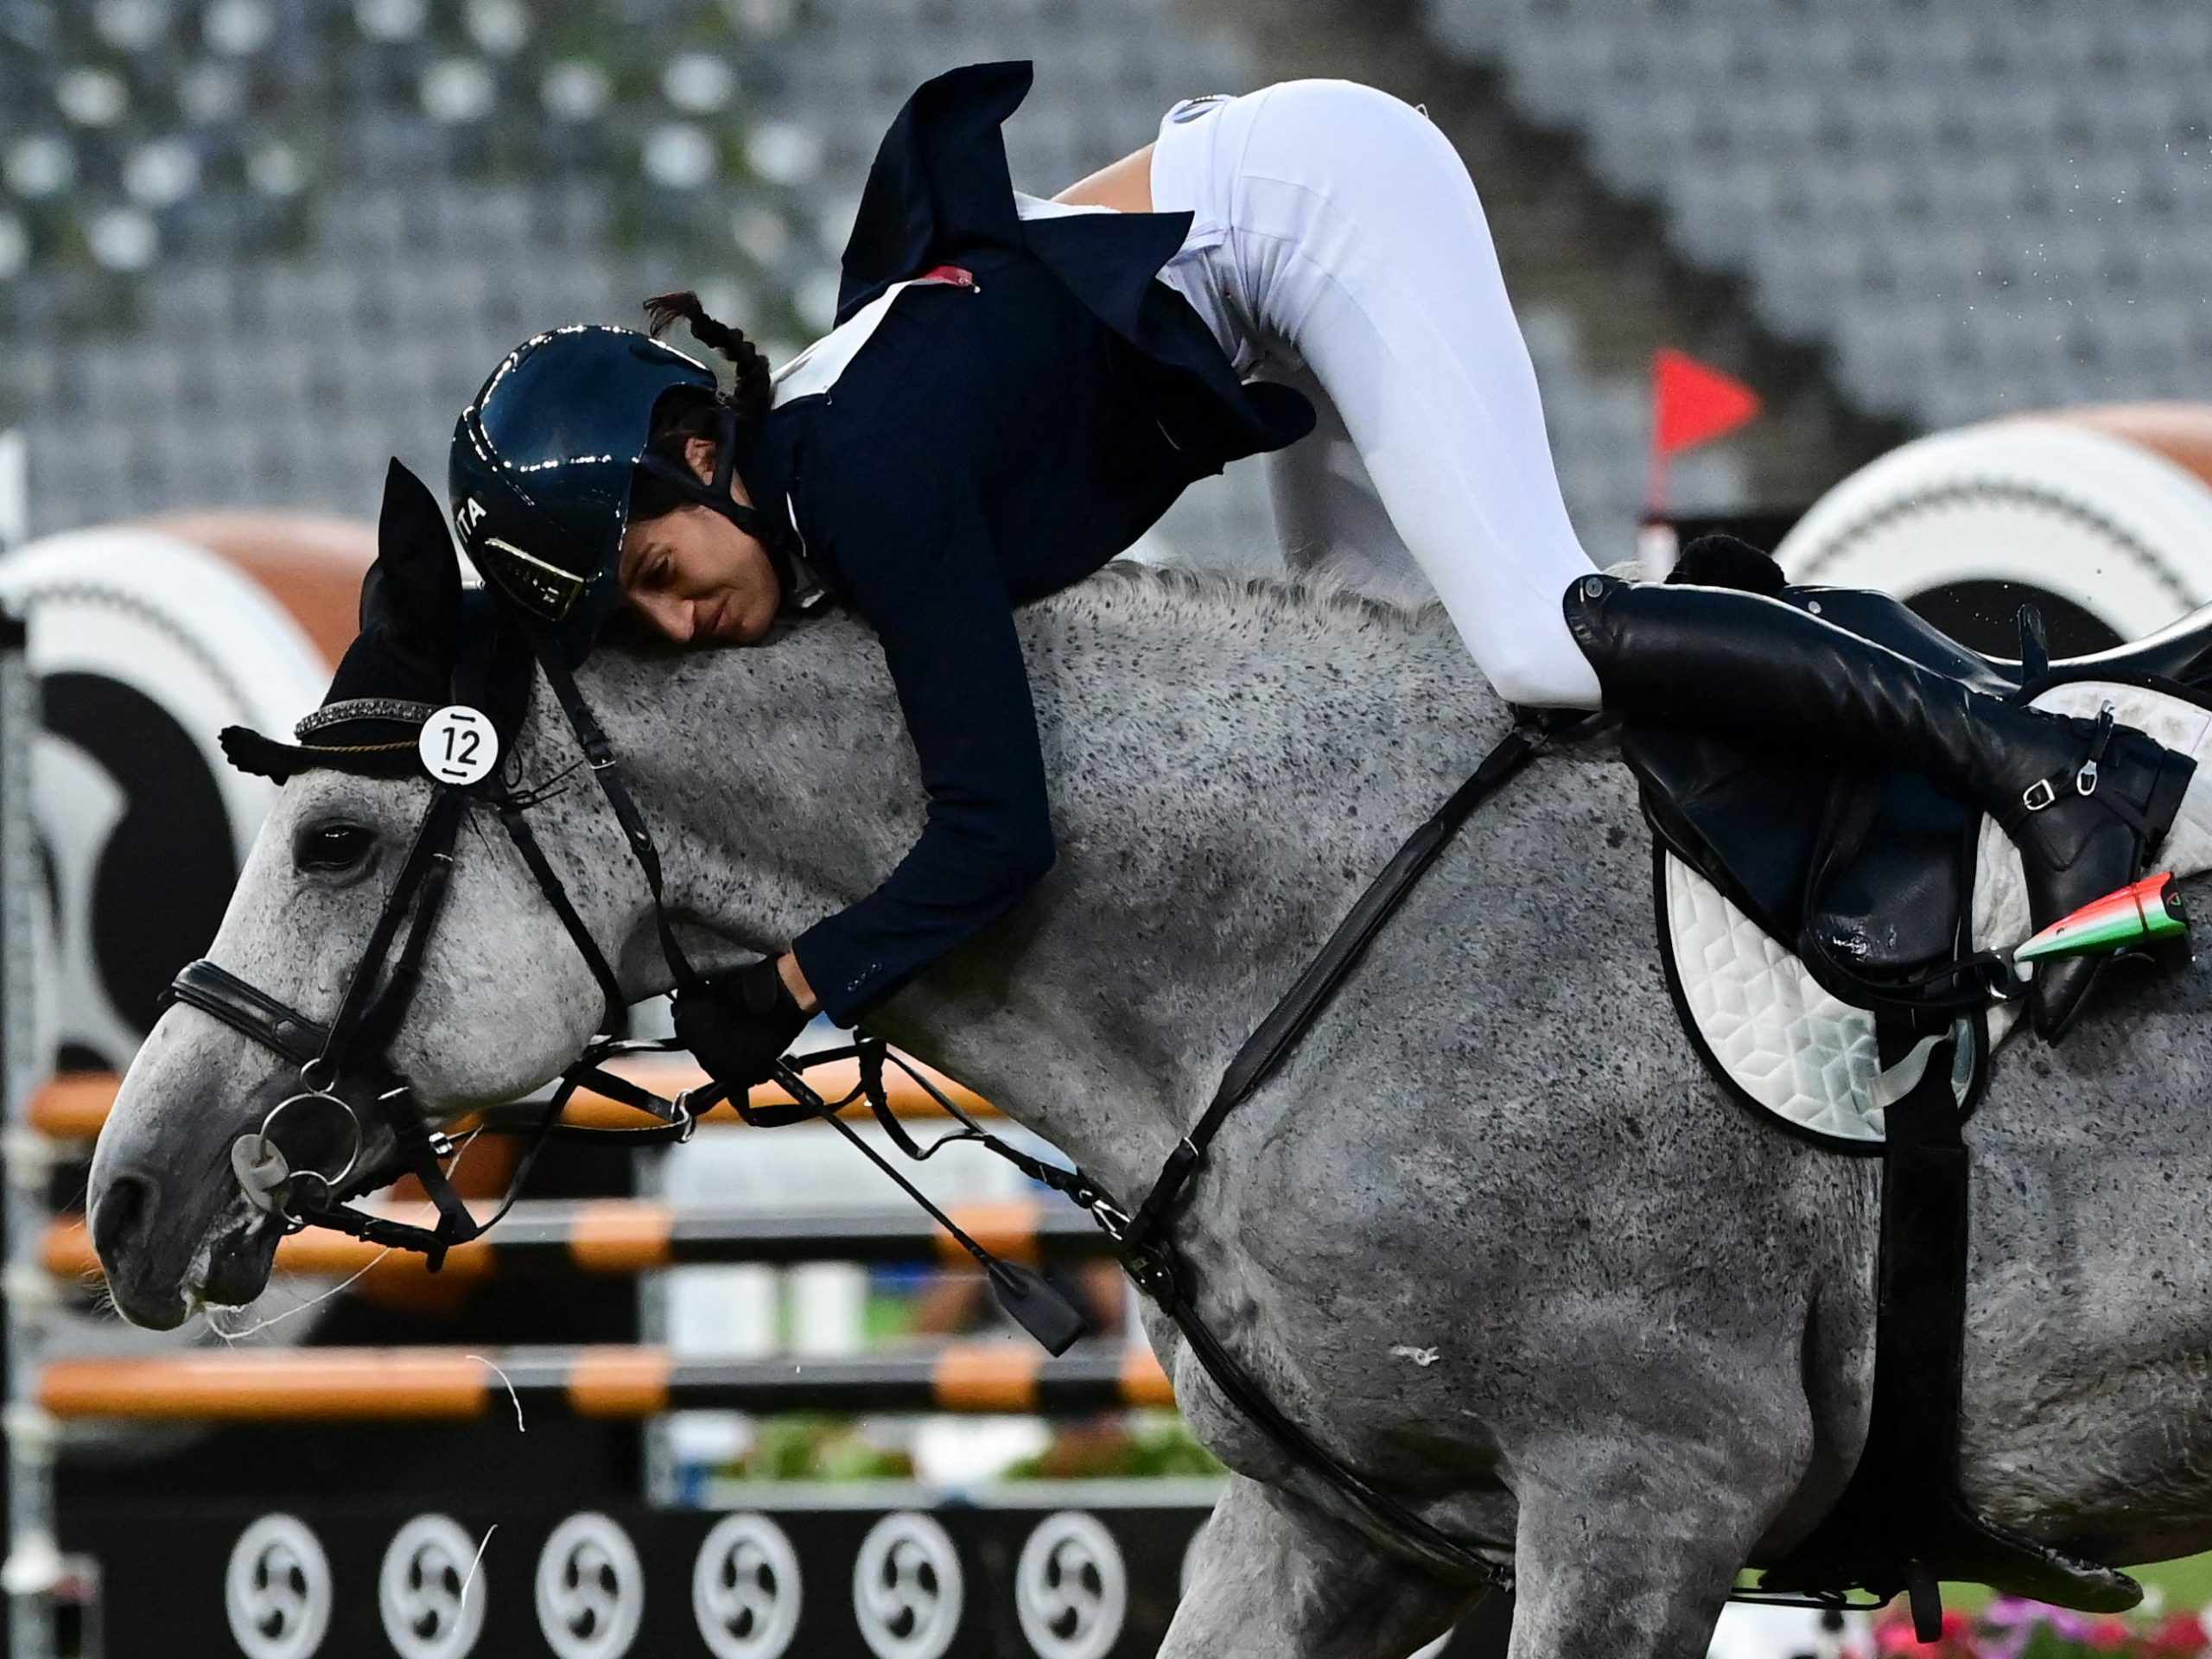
347 1062
354 1047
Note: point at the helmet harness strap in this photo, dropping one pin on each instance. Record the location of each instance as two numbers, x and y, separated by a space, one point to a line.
802 590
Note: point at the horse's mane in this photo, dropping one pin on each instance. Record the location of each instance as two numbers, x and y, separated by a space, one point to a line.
1323 600
1319 616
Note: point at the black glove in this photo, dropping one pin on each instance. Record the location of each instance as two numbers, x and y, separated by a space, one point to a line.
737 1024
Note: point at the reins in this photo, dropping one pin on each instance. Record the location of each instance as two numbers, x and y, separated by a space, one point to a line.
352 1048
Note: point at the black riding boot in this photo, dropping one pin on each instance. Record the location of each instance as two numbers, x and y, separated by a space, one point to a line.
1743 666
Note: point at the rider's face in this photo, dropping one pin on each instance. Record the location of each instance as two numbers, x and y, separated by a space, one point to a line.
695 576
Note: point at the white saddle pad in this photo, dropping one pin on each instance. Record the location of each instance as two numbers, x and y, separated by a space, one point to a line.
1803 1055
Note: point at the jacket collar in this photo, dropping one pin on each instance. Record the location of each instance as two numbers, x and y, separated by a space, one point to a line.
939 182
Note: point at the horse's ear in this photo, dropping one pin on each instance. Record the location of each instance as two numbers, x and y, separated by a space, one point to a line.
412 592
411 616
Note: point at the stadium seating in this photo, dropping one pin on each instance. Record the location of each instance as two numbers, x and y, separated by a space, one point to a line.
1974 209
250 248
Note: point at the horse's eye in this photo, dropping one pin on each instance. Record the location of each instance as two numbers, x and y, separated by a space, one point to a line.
333 846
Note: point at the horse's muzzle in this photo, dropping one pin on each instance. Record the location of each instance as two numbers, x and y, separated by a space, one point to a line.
127 1234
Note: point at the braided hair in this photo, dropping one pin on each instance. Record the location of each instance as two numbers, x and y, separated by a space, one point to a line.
682 414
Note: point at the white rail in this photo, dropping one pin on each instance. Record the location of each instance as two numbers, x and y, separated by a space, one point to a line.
15 491
34 1564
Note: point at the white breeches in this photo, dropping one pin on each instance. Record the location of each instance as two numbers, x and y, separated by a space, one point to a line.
1337 245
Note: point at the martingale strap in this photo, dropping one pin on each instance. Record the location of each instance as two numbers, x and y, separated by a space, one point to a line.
1314 990
1149 1254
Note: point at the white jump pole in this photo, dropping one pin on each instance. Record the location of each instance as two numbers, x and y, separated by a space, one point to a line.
34 1564
15 491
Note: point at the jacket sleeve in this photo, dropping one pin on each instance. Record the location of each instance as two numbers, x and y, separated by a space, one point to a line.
947 629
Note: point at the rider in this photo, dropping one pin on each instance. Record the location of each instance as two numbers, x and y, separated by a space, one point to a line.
1016 389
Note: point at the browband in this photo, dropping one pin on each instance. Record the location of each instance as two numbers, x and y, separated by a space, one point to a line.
401 711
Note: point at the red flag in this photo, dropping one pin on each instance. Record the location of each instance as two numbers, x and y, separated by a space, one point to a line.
1693 404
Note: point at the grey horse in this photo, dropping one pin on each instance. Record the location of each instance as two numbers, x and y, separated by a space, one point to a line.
1491 1233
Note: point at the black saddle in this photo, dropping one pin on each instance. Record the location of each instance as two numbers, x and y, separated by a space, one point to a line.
1867 874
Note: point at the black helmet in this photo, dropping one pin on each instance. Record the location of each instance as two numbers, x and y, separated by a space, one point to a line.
543 460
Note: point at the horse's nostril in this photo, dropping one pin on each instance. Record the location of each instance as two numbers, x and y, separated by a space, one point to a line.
120 1219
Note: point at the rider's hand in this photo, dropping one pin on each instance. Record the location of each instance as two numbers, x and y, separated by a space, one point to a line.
738 1024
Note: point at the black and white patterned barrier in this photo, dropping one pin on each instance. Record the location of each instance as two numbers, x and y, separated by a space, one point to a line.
145 647
1043 1580
2102 521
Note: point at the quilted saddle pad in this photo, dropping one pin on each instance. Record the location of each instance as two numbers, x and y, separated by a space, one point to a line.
1789 1048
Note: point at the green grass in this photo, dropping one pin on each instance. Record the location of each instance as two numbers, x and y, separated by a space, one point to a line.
2185 1583
2171 1586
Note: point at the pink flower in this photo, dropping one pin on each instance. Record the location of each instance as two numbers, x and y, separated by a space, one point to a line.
2180 1636
1893 1634
1893 1631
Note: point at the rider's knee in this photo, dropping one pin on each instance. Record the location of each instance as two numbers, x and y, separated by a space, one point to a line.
1560 678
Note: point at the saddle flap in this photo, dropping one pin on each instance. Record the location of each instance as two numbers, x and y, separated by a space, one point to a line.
1870 873
1867 873
1889 892
1749 822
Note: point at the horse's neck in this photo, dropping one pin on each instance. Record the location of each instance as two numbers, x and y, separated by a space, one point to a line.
1225 776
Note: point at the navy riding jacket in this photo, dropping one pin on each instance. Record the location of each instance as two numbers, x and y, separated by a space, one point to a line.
988 442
